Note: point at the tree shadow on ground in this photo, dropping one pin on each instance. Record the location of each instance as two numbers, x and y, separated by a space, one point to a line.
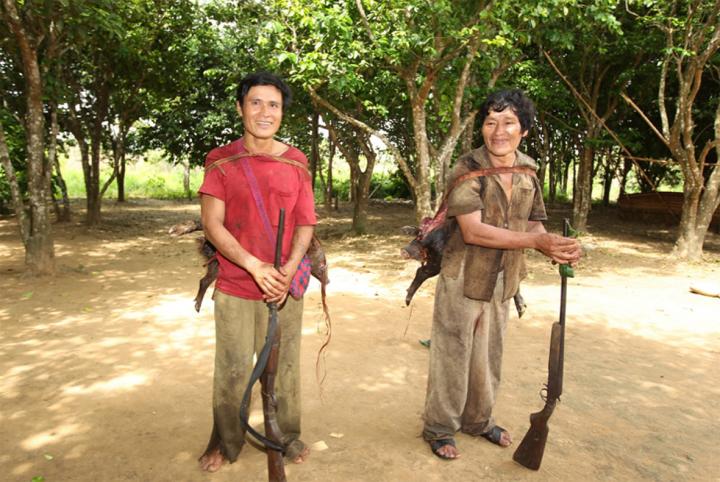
106 368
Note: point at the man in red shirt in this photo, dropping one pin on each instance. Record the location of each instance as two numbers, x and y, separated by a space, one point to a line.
247 279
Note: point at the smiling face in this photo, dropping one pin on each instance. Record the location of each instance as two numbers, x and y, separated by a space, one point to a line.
261 111
502 134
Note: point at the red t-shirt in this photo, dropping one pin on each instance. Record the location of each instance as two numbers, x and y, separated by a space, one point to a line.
281 185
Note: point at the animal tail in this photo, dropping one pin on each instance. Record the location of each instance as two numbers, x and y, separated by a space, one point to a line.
321 368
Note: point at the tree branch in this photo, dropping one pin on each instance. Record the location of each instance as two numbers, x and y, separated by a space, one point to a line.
360 8
370 130
602 122
650 124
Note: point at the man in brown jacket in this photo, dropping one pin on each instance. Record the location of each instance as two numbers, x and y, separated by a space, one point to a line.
493 218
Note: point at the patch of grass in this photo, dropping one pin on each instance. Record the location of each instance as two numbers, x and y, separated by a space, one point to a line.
144 178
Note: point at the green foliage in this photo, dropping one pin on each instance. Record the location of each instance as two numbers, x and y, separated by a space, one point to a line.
173 66
15 140
195 110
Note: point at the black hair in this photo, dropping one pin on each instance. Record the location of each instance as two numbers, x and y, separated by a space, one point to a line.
516 99
264 78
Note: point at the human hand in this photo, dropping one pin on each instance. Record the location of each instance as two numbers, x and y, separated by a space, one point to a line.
288 272
272 282
558 248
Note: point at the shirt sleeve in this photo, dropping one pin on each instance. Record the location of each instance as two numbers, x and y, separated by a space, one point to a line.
213 184
466 197
305 207
538 208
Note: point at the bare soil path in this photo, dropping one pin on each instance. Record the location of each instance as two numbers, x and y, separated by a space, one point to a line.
106 369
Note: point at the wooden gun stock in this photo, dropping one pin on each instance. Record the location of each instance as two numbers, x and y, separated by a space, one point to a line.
276 467
532 447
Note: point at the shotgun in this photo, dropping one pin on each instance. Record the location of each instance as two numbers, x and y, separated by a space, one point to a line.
276 469
530 451
266 369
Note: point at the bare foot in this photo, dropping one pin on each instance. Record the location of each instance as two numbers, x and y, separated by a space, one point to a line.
448 452
505 439
498 436
297 452
302 456
212 461
444 448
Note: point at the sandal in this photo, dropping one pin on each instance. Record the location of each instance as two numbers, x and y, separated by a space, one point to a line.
494 435
436 445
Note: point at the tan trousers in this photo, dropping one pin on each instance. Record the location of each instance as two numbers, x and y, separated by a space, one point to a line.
465 360
240 328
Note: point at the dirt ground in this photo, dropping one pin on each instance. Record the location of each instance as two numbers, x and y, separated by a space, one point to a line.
107 369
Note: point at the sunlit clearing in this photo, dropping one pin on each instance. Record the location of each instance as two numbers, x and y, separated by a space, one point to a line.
171 308
54 435
364 284
374 387
399 375
22 469
118 384
668 390
11 379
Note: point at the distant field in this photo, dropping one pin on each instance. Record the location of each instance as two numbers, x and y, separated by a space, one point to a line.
152 176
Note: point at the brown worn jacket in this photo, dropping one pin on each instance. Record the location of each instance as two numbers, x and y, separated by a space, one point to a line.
482 265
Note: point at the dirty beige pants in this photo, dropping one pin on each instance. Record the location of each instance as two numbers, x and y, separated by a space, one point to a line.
240 328
465 360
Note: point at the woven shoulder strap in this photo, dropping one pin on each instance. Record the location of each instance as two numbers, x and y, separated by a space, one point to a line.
235 157
490 171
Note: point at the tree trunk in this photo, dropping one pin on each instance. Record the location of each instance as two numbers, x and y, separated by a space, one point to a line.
359 178
15 194
607 186
608 178
92 189
120 179
314 147
627 166
543 142
39 247
119 159
583 189
699 205
552 178
359 222
328 197
689 243
63 213
186 180
467 141
94 198
422 188
565 179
